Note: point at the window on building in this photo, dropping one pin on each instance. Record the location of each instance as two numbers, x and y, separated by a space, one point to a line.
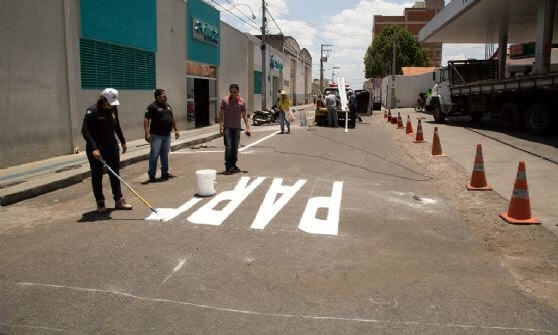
110 65
258 82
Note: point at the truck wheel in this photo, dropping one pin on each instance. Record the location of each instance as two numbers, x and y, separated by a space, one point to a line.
510 116
476 117
439 117
537 119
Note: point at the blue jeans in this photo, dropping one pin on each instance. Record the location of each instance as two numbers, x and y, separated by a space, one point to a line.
112 158
231 138
160 146
332 117
282 121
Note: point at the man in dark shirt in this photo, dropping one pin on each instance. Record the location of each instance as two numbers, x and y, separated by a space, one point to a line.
158 123
99 126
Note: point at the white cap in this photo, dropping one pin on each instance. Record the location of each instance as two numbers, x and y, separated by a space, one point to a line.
111 95
283 92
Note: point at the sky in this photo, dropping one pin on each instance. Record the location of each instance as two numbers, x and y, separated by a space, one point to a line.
345 25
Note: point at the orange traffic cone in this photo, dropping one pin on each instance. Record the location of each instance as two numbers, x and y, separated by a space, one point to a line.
394 119
409 127
519 211
385 113
420 137
389 116
436 145
478 178
399 121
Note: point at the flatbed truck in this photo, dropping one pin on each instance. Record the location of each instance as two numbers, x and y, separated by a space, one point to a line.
473 87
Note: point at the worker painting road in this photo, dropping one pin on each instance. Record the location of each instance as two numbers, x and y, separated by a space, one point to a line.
326 232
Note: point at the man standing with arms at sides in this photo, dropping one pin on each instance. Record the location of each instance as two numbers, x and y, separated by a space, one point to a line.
99 126
157 124
232 110
331 102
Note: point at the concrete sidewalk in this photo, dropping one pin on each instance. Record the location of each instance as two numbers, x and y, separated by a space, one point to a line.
25 181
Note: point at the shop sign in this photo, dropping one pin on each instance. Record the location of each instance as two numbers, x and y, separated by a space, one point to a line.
205 32
275 64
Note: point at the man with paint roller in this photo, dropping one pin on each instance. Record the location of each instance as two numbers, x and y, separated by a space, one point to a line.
100 123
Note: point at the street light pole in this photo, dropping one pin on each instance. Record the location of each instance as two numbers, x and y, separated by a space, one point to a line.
333 71
323 48
264 63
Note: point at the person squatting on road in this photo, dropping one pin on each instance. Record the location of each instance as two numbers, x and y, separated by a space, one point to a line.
331 102
284 105
100 123
157 124
232 109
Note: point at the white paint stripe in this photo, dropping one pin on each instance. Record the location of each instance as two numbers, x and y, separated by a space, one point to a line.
178 267
197 152
330 226
270 207
207 214
33 327
257 142
167 214
308 317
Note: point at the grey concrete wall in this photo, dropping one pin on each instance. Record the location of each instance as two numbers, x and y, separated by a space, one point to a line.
33 82
234 63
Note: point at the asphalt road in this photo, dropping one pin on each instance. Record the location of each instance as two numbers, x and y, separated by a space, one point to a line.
326 231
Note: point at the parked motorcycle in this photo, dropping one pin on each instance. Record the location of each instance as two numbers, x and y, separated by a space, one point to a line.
421 102
266 116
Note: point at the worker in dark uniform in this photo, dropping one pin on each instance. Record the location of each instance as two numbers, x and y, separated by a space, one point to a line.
99 126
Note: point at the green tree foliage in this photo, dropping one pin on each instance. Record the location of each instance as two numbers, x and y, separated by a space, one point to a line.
378 58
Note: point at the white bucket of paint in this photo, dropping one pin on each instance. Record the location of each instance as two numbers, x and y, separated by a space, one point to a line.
206 182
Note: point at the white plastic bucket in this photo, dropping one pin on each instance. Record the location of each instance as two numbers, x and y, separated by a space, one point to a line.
206 182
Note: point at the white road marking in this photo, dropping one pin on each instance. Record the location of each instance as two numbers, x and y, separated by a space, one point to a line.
330 226
278 315
270 207
167 214
176 269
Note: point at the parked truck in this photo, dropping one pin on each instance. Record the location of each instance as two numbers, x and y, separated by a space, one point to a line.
473 87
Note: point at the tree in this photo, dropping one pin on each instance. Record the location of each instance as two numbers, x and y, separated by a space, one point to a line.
378 58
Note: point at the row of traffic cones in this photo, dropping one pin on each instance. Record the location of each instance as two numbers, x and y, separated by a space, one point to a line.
519 210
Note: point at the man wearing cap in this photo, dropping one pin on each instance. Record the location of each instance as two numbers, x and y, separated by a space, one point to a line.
100 123
284 105
157 124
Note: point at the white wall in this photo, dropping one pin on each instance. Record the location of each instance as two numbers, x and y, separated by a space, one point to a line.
407 89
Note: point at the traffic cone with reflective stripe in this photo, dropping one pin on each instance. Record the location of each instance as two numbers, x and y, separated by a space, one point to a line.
409 127
394 119
436 145
519 210
420 137
389 116
478 178
399 121
385 113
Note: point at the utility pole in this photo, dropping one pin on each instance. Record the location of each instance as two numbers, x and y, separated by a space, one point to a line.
393 100
325 48
264 63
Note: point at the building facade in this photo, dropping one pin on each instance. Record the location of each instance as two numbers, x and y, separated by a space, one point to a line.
63 53
414 19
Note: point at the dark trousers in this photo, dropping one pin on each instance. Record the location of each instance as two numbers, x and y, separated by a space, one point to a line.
112 157
231 138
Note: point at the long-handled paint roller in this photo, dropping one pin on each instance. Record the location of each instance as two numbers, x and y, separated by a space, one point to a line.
128 186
